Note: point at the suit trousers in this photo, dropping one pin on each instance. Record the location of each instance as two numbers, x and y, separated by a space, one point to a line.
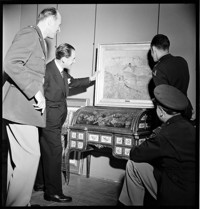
138 177
23 159
51 155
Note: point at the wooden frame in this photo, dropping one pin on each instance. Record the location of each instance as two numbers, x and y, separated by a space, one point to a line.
124 75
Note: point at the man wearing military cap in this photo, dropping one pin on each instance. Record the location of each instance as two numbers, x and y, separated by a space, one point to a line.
164 164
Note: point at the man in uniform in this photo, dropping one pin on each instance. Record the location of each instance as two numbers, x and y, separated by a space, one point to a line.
169 69
164 164
24 103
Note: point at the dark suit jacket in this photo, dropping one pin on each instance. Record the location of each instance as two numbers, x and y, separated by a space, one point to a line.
173 71
25 64
56 90
172 153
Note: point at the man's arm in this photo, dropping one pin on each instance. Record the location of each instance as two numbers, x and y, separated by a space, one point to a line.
79 82
159 77
15 63
147 151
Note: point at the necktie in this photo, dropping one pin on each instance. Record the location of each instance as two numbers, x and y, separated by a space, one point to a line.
62 73
45 46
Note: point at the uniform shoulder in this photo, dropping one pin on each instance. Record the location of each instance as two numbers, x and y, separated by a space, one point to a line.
181 59
28 32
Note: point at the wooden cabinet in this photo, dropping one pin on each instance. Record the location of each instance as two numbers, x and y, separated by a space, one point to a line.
117 128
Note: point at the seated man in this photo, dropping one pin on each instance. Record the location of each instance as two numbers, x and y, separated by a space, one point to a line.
164 164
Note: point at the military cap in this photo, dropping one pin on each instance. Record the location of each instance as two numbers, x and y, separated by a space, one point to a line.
170 97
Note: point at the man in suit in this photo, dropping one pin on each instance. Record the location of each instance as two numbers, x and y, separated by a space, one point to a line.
169 69
24 104
164 164
56 89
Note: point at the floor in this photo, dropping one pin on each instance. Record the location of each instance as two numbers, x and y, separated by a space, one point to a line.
89 192
84 192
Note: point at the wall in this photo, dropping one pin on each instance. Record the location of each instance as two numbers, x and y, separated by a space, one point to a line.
87 25
11 24
178 22
77 29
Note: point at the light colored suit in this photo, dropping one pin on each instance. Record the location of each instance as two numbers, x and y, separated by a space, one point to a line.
25 65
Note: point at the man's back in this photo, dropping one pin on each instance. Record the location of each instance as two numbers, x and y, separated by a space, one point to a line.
173 71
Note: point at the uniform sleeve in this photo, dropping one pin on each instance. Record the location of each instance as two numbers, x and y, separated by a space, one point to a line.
147 151
15 61
159 77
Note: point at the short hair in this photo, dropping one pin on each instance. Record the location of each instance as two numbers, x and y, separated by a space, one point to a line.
46 13
166 109
64 50
160 41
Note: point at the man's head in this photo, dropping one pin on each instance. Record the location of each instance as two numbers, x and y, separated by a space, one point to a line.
159 46
49 21
169 101
65 54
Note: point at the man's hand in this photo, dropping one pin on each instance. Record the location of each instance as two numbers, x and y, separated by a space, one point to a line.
41 103
94 76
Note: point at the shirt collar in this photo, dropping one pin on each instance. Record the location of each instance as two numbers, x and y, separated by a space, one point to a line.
173 119
58 66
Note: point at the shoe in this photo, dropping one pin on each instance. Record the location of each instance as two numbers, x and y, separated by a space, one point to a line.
120 204
32 205
57 198
38 187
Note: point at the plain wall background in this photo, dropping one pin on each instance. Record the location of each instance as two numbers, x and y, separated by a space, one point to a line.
87 25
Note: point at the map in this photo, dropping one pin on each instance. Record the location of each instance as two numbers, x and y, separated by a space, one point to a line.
126 75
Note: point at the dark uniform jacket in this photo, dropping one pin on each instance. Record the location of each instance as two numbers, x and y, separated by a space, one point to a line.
171 151
173 70
25 64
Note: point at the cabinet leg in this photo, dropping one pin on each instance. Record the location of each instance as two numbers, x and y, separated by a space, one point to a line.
88 165
80 169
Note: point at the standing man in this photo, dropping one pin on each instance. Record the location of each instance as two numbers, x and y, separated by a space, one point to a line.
171 70
56 89
24 104
164 164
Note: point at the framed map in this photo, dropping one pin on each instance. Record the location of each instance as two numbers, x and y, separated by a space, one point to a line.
124 75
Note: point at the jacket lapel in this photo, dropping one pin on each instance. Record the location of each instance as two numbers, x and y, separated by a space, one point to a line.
58 77
65 78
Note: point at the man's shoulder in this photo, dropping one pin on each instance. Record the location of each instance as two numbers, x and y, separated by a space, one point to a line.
171 62
50 67
176 59
180 59
51 63
28 32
